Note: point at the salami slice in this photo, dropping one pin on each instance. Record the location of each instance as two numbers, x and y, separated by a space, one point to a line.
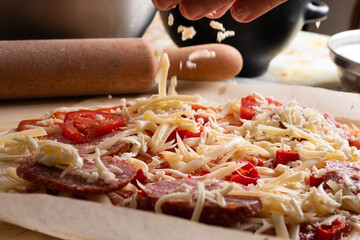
238 207
343 173
120 146
75 182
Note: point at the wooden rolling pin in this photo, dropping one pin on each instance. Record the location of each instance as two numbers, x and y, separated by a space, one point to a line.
57 68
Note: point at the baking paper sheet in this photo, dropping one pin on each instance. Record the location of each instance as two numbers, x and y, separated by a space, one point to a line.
78 219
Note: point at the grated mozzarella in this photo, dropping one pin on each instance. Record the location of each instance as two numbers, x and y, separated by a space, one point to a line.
103 171
187 32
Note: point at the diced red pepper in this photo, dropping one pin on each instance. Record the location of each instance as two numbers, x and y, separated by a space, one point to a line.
285 156
315 181
140 176
183 133
141 193
333 232
204 172
149 132
246 175
196 107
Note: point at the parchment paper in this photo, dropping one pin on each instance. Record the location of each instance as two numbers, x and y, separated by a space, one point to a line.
78 219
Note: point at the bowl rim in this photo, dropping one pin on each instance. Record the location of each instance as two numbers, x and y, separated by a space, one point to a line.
342 39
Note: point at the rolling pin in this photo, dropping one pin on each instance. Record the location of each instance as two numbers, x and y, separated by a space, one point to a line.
82 67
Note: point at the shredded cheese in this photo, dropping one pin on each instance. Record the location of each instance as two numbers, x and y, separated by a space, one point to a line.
187 32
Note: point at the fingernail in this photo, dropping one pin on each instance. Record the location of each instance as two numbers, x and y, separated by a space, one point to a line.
241 14
163 5
192 9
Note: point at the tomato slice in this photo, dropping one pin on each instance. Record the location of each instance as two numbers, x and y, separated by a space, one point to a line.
26 124
249 102
83 126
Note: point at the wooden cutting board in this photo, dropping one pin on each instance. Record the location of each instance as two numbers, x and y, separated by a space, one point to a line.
9 231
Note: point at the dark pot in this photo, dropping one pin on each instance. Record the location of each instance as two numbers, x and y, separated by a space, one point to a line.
258 41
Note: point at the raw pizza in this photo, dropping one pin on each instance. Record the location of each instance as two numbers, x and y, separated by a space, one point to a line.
254 163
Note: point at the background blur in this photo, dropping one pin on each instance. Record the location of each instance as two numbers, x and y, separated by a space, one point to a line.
343 15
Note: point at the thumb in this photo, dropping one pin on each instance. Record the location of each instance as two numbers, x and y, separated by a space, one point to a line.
247 10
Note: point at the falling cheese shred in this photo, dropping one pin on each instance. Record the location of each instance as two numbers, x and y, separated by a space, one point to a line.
186 32
161 77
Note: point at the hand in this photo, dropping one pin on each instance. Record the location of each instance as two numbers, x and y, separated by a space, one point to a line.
241 10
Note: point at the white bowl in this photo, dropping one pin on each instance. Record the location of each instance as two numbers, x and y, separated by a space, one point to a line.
345 52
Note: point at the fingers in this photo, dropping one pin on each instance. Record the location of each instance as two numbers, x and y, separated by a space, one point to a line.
241 10
164 5
247 10
196 9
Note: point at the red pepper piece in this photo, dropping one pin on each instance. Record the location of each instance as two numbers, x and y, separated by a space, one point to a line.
140 176
141 193
246 175
149 132
204 172
315 181
333 232
196 107
185 133
285 156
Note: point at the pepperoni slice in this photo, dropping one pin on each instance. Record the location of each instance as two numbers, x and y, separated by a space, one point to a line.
238 207
73 182
120 146
83 126
343 173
